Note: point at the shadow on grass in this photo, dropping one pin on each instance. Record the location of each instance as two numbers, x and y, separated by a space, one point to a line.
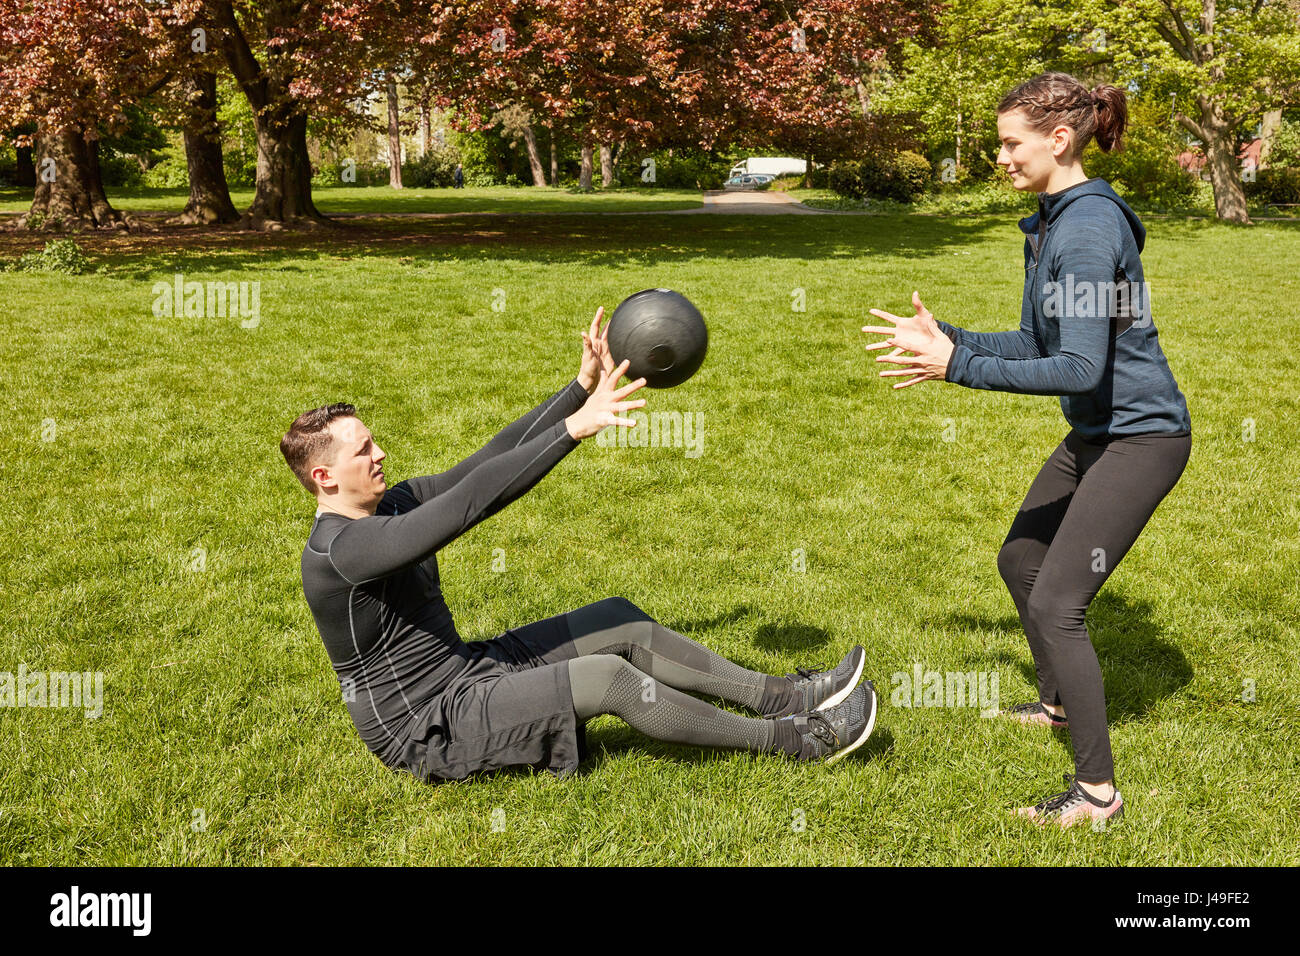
609 241
1138 665
603 745
772 636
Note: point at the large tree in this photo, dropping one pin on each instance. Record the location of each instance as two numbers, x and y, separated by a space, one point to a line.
72 69
295 59
1224 66
688 73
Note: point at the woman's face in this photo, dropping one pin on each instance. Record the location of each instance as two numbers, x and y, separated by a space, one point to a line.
1030 157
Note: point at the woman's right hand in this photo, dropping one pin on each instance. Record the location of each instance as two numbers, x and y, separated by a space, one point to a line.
603 405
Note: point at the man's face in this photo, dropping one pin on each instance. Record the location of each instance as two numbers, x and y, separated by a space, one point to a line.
356 475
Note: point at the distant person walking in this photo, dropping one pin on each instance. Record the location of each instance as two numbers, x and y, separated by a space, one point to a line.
459 177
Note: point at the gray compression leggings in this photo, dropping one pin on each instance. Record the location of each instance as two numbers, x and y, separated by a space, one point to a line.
631 666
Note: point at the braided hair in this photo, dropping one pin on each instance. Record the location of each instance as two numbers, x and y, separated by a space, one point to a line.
1058 99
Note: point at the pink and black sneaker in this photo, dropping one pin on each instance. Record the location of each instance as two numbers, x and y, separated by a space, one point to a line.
1076 805
1035 713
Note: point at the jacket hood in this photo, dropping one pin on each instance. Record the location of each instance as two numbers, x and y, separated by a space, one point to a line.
1051 205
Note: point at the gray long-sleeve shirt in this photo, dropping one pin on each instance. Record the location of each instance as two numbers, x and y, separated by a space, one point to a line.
372 583
1086 331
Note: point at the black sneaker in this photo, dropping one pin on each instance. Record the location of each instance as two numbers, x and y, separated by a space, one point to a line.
836 732
822 690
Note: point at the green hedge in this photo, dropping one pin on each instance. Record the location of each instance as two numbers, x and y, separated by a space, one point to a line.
1274 185
900 176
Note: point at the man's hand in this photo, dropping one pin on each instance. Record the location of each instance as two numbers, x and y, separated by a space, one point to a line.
595 353
605 402
918 334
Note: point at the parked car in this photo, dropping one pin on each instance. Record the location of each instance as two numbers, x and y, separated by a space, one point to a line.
742 182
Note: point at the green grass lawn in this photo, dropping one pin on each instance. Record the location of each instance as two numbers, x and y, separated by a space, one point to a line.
130 442
335 200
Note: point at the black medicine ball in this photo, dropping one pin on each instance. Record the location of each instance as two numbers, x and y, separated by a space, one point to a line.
662 334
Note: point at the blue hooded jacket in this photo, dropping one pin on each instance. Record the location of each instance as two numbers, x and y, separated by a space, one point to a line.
1086 331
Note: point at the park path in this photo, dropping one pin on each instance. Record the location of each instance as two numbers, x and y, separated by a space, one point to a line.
753 203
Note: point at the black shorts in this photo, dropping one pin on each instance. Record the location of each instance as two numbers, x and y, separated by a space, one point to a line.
511 707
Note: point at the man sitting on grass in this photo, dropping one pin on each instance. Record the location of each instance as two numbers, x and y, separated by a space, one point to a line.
426 701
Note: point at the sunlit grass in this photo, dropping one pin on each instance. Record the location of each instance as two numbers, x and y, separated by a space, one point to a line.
220 705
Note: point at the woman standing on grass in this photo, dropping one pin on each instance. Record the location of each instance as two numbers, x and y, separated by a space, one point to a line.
1085 334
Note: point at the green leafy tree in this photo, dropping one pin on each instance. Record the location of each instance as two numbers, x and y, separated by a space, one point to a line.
1222 66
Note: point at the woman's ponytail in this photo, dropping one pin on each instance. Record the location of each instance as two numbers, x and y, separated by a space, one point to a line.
1112 117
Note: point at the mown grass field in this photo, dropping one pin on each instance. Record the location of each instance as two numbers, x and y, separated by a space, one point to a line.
129 441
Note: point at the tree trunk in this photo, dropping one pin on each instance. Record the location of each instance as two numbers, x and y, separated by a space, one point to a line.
209 200
534 157
555 162
1268 132
283 192
1215 132
26 172
394 136
807 172
425 136
584 176
68 183
606 166
1225 177
283 171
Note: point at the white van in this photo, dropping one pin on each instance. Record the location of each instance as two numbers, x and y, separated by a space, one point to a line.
770 166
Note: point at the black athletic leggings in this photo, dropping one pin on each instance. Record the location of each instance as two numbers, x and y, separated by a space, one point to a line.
1082 514
630 665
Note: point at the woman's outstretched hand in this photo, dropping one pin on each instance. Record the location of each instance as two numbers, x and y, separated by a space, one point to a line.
595 353
918 334
604 404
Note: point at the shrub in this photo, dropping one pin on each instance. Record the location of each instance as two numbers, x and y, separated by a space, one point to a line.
170 173
435 169
902 177
1285 151
59 255
116 169
367 174
1146 169
688 170
1274 185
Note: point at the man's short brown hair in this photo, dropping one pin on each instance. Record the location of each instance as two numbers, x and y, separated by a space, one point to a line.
308 441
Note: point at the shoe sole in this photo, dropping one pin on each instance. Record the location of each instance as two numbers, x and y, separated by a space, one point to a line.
1054 724
871 723
1027 813
838 696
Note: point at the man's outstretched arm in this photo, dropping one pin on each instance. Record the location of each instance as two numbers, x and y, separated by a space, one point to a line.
378 545
565 402
528 426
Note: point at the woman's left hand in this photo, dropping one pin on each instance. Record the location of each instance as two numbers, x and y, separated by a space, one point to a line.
918 334
595 353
